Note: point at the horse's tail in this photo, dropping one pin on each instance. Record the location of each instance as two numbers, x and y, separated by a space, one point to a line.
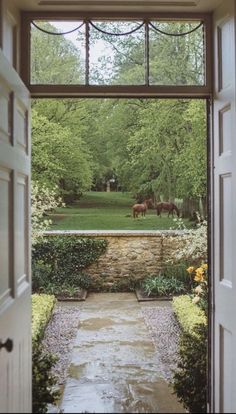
133 213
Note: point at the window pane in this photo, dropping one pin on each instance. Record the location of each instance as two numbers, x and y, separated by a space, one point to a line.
176 60
117 60
58 59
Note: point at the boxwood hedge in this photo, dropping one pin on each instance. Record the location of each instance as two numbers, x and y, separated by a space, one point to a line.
190 378
43 380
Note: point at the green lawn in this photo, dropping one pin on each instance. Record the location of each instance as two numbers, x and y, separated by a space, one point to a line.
107 211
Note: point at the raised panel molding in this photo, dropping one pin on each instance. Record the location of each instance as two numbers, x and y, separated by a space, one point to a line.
6 115
6 237
225 132
22 127
225 45
21 236
226 216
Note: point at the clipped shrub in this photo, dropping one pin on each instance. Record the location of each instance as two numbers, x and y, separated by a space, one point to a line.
43 380
188 314
42 307
190 377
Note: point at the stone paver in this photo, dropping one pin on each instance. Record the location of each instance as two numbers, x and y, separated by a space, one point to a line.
114 365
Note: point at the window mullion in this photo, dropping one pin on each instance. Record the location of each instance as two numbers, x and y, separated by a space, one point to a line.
147 53
87 53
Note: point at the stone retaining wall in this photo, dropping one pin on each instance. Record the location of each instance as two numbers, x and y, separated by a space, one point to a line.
130 255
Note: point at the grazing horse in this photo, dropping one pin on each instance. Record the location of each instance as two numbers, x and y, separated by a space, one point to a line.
170 207
139 208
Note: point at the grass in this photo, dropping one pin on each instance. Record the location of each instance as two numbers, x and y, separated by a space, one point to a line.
107 211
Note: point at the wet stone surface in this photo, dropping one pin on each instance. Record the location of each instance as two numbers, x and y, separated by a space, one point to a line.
114 365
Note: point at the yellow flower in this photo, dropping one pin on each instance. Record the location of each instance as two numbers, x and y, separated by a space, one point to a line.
199 275
204 266
196 299
190 269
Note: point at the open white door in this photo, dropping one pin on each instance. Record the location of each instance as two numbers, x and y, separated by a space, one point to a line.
15 294
224 211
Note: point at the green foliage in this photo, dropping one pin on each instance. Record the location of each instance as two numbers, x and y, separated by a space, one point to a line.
69 254
42 362
59 158
178 271
48 68
190 378
58 263
42 379
42 306
162 286
188 314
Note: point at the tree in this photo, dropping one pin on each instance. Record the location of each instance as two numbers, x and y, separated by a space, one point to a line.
61 64
59 158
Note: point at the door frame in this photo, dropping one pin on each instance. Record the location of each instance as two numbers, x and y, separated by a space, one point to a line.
151 92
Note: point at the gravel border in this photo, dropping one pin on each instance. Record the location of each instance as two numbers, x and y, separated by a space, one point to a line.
59 336
165 333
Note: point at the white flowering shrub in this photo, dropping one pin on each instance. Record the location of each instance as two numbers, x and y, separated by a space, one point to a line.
195 241
43 200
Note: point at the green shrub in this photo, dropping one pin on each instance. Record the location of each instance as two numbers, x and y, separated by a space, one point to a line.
42 307
162 286
59 261
188 314
190 377
43 380
68 254
179 271
41 274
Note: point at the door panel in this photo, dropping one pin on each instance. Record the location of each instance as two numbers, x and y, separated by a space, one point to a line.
224 204
15 293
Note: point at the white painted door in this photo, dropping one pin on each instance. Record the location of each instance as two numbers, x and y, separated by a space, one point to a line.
224 211
15 298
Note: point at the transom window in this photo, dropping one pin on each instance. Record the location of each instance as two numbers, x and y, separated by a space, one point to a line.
96 54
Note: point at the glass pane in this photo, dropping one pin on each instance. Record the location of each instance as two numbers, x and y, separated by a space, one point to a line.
117 60
176 60
58 59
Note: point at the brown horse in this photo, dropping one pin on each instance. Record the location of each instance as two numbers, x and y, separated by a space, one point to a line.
139 208
170 207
